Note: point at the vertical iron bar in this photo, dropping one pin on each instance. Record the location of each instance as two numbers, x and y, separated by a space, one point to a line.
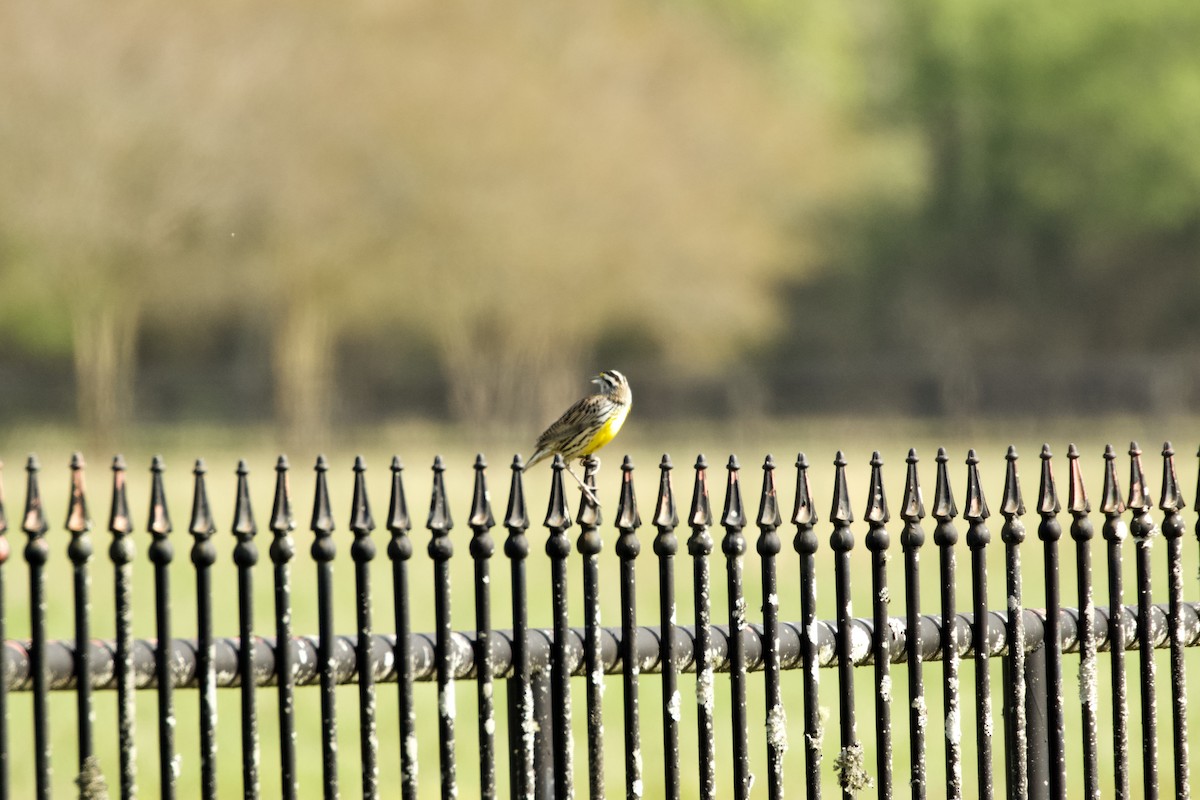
522 778
1016 734
80 552
558 548
768 546
245 556
324 550
482 549
161 553
978 538
700 546
1115 532
1173 528
911 540
590 545
1038 756
666 518
362 551
628 548
441 549
1082 533
283 549
945 536
733 519
37 551
1144 530
543 712
877 542
121 551
851 763
204 555
400 550
1049 531
4 553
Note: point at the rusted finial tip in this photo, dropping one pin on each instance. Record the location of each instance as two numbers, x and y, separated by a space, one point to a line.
1046 454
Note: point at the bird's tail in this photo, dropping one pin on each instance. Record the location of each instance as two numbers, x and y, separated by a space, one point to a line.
540 455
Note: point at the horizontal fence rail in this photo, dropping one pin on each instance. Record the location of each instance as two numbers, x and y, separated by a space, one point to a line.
1033 745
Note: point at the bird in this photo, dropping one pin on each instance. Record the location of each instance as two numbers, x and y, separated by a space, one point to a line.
588 425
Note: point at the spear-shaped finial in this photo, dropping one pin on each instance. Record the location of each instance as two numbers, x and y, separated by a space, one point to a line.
734 515
589 510
361 521
558 516
120 523
481 502
78 521
914 505
244 526
1112 503
944 508
439 508
977 509
323 547
202 523
628 518
160 518
1048 504
1171 499
768 504
700 515
1139 498
399 523
803 512
282 520
516 518
666 516
877 506
842 540
1012 505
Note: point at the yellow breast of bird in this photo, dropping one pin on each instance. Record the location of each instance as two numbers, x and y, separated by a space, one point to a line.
608 431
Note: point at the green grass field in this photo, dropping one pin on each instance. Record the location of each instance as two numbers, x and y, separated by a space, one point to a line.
417 445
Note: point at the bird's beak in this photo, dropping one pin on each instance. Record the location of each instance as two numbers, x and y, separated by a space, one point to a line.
598 379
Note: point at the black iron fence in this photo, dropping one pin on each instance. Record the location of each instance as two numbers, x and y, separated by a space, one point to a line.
536 746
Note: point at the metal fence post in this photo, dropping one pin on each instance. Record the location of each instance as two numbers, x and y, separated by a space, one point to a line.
362 552
804 517
911 540
978 537
283 549
945 536
666 518
245 555
768 546
1082 532
628 548
1016 735
481 548
1115 532
877 541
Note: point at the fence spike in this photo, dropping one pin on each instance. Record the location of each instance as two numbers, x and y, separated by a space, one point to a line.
244 526
1139 499
160 517
666 517
557 513
841 512
516 518
202 521
769 517
361 520
399 522
1112 504
700 515
481 504
914 503
944 508
589 511
734 514
119 519
78 520
1013 505
977 508
282 520
804 512
1048 504
1172 498
877 505
1077 499
323 547
35 519
628 518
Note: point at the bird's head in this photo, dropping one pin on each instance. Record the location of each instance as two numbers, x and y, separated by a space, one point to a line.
615 384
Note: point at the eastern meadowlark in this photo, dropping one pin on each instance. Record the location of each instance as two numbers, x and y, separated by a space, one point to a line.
588 425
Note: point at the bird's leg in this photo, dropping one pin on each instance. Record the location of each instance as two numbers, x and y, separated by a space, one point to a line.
587 490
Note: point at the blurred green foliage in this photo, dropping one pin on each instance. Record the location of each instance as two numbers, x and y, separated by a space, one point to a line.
254 209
